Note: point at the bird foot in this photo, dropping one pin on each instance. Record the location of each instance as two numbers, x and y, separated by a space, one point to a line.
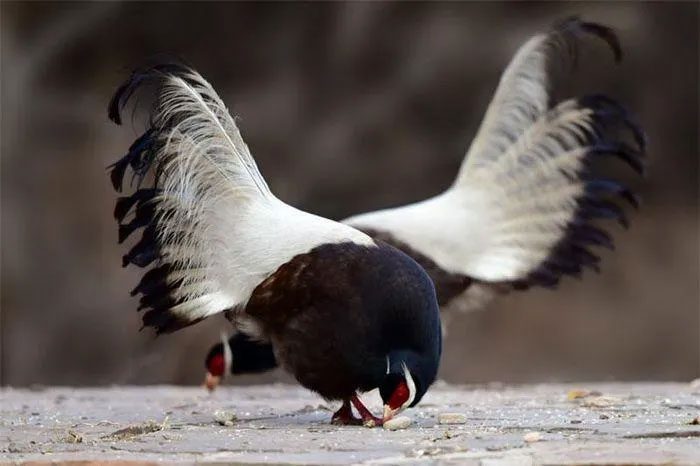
344 416
368 419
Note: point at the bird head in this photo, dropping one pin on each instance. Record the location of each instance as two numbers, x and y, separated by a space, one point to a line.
406 380
218 363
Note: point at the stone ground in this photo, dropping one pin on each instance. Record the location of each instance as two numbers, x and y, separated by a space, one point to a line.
282 424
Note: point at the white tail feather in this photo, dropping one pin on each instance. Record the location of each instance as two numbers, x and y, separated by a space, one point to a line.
218 230
522 191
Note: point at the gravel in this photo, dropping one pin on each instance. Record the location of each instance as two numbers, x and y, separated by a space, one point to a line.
285 424
452 418
532 437
398 423
225 418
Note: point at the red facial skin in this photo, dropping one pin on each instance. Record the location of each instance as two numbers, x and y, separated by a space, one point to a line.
217 365
400 395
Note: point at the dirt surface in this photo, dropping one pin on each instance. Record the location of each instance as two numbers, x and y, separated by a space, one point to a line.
284 424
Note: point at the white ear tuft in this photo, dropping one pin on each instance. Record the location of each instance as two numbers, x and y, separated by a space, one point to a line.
411 386
228 355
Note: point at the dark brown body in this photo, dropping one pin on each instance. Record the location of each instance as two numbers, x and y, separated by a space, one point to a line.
333 314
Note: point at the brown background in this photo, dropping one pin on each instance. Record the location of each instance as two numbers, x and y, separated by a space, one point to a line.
348 107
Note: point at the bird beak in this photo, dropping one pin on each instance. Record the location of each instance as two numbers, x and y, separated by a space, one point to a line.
211 381
389 413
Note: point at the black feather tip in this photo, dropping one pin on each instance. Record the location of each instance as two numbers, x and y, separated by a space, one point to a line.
157 290
576 25
144 75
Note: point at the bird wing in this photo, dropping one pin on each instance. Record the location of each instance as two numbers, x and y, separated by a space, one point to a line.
520 211
212 229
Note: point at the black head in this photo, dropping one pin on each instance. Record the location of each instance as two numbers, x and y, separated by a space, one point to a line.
215 361
218 363
408 376
251 356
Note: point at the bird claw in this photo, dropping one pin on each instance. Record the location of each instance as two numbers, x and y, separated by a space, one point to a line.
344 416
368 419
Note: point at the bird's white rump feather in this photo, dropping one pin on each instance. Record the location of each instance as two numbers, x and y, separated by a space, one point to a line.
523 183
218 226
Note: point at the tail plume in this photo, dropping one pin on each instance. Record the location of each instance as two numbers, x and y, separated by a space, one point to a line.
193 152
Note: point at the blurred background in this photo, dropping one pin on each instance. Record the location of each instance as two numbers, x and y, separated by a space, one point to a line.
348 107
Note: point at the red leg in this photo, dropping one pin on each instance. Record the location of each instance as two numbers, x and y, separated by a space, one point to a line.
368 419
344 416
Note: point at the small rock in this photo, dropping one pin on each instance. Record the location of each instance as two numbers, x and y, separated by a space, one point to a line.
695 421
532 437
136 430
452 418
604 416
74 437
427 452
578 393
225 418
397 423
601 402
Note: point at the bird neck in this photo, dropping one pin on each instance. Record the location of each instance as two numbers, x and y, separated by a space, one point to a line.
251 356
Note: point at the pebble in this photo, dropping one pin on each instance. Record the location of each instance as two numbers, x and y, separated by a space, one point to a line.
601 402
225 418
452 418
578 393
397 423
532 437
